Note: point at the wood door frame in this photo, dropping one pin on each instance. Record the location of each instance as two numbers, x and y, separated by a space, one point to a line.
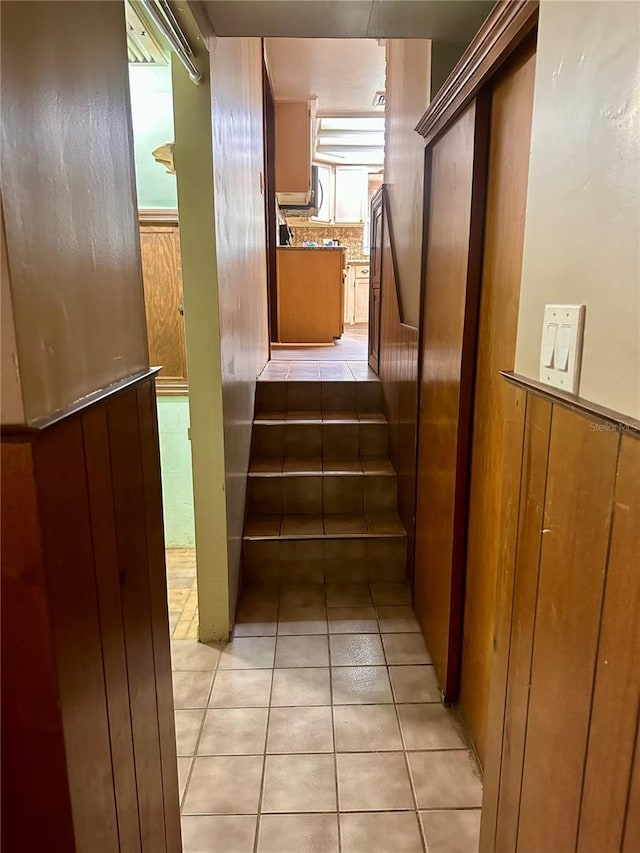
271 217
506 27
377 208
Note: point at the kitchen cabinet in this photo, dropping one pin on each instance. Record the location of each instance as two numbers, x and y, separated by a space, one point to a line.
356 297
293 150
352 194
310 285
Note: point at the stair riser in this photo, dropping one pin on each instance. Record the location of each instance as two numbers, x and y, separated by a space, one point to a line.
326 494
318 396
316 561
331 440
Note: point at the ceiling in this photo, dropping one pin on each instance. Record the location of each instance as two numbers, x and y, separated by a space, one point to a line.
344 75
447 20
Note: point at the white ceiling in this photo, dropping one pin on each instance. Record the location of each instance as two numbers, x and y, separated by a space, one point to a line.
449 20
344 74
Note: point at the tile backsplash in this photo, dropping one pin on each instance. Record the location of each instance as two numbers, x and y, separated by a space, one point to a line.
348 236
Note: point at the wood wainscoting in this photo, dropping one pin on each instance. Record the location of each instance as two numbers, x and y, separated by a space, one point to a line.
398 371
87 704
563 759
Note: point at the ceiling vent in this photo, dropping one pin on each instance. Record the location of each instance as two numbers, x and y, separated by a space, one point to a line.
143 44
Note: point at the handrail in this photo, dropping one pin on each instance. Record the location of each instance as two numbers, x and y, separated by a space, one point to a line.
386 208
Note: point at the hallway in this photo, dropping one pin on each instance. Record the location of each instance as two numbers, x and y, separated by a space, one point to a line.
319 728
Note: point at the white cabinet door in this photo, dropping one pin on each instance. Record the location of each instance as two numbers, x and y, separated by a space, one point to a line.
361 301
349 295
352 193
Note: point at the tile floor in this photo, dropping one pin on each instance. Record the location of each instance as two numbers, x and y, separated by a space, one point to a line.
182 593
318 729
352 346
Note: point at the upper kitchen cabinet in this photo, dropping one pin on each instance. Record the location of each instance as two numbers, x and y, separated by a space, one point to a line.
352 194
293 150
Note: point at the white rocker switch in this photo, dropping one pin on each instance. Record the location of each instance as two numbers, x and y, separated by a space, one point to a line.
561 346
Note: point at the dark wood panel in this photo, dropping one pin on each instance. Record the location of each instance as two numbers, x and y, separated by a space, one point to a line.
508 172
129 502
100 491
577 518
511 470
532 499
35 816
75 624
162 277
456 173
150 455
398 371
616 696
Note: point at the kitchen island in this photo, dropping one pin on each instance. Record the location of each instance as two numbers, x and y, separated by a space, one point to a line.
310 286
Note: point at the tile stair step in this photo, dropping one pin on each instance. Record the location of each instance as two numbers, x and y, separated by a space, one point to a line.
324 396
317 466
319 437
344 526
328 494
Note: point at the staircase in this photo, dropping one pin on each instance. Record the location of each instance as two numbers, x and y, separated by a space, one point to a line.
322 492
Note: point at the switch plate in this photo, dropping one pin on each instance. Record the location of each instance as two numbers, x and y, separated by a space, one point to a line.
561 350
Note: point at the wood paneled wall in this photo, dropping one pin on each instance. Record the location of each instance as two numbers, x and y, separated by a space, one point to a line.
89 754
563 723
398 371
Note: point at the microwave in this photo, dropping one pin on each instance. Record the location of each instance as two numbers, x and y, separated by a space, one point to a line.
288 202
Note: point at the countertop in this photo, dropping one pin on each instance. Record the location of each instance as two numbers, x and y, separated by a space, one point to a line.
315 248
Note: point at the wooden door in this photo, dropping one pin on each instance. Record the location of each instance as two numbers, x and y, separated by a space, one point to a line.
511 110
375 280
456 169
162 277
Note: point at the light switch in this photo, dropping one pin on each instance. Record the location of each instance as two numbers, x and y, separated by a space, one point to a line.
549 345
561 346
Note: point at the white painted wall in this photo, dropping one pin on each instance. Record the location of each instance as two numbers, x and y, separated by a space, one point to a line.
582 233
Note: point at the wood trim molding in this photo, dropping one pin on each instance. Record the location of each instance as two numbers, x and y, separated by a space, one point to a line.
167 387
618 421
159 216
20 431
507 25
394 258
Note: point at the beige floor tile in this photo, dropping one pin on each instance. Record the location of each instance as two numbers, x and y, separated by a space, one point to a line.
224 784
357 685
302 620
373 781
192 655
256 620
352 620
300 730
302 651
415 683
248 653
180 558
218 833
241 688
405 649
430 726
184 763
386 594
452 831
397 620
348 595
177 598
445 780
177 582
191 689
234 731
366 728
299 783
302 596
188 724
356 650
385 832
295 833
301 686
